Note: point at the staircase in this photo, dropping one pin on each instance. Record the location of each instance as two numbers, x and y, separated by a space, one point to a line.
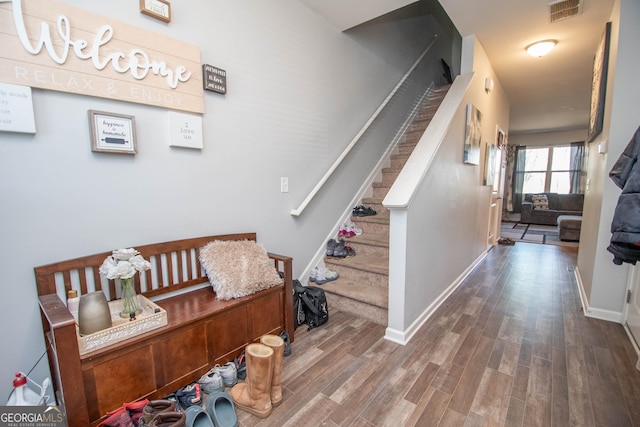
363 285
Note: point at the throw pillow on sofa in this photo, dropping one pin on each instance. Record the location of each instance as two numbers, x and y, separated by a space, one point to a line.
540 202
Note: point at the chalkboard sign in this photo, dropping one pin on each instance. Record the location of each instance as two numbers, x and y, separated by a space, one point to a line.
215 79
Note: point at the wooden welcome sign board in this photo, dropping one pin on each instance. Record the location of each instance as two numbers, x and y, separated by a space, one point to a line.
51 45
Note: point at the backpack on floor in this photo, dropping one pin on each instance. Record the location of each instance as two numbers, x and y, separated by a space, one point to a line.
309 306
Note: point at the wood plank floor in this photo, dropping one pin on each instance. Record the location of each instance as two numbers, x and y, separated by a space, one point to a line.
510 347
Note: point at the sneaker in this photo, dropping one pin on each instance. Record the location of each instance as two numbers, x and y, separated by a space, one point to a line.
353 230
287 345
211 382
189 395
228 372
325 275
345 231
350 250
339 251
331 245
241 366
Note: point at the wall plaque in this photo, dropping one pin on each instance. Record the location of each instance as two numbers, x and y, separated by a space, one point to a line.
16 109
185 130
55 46
214 79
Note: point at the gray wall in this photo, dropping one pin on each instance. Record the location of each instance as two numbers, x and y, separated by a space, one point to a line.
298 91
447 219
604 284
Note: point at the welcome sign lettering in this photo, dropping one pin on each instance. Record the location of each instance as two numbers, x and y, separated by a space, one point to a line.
50 45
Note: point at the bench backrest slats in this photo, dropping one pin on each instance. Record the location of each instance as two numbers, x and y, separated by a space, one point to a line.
175 265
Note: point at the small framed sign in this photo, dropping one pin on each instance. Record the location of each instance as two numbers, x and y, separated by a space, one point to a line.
185 130
159 9
112 133
214 79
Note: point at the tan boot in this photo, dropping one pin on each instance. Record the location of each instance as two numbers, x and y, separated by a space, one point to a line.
254 395
277 344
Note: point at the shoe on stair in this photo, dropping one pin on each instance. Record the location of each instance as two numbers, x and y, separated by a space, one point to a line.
331 245
323 275
339 250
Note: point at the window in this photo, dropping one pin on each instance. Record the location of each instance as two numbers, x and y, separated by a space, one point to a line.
548 169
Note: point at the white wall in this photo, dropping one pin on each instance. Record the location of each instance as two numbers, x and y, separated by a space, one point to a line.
548 138
298 90
604 284
447 219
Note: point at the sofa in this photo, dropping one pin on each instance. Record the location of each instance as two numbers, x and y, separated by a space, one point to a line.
535 211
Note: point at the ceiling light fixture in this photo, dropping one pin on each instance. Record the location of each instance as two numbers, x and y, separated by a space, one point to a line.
541 48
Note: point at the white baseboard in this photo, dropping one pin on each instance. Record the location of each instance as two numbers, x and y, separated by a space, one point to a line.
596 313
403 337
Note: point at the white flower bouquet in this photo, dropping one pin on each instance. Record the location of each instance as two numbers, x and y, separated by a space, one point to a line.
124 264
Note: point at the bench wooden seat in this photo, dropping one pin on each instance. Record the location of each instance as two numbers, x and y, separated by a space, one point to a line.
201 330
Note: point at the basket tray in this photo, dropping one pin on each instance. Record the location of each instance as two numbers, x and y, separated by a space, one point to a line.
153 316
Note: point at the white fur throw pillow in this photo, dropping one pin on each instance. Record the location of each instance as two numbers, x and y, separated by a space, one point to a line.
237 268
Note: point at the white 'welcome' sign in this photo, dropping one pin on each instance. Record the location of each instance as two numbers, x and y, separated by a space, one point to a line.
55 46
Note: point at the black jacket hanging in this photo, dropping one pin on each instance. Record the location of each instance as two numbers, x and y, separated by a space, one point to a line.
625 226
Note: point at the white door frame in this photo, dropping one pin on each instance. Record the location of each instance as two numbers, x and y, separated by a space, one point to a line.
633 285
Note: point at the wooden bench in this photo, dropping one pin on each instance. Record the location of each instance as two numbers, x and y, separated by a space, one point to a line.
201 329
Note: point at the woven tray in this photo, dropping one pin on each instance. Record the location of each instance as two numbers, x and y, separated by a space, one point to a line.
153 316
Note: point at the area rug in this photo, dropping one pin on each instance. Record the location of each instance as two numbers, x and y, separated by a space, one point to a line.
533 233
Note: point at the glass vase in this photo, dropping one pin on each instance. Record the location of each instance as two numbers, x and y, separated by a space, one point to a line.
130 307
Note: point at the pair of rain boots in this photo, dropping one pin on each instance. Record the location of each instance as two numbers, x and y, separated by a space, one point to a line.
262 389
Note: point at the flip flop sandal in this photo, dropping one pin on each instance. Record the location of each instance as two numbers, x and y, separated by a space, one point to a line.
350 251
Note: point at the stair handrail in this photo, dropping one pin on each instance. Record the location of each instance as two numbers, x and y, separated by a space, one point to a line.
406 183
356 138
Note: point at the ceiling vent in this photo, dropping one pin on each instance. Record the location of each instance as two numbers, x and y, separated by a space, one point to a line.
563 9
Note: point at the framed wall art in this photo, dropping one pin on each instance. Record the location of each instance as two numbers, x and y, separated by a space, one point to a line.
500 138
472 135
112 133
159 9
599 84
490 164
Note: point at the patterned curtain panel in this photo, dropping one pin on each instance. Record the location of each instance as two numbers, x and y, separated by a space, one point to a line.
518 177
511 157
577 168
